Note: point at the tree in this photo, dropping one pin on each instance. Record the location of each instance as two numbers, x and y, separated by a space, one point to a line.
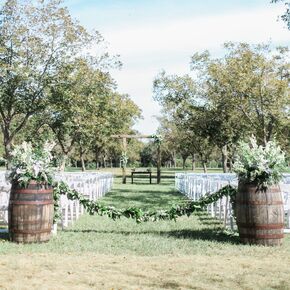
36 39
251 83
286 16
86 109
169 131
148 156
242 93
77 103
246 91
121 116
183 106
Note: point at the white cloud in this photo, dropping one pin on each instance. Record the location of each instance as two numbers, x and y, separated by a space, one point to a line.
185 35
146 48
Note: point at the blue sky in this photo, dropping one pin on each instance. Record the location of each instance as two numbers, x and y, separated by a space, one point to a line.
151 35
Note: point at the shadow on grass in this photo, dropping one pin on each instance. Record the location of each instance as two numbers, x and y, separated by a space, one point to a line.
206 235
4 236
217 235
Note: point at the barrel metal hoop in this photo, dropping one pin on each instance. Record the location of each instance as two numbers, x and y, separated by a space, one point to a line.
253 189
266 236
257 202
44 202
27 222
30 232
261 226
32 191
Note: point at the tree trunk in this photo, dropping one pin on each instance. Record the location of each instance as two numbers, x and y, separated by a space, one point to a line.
193 162
225 158
231 165
63 162
97 155
183 161
124 175
82 161
204 166
158 164
8 149
83 164
174 158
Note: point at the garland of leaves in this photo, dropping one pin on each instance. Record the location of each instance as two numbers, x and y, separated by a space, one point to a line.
95 207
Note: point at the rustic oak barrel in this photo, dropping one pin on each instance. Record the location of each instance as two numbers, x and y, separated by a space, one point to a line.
30 213
260 215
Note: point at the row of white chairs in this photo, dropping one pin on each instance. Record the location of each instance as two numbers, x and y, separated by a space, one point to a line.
195 186
5 187
91 185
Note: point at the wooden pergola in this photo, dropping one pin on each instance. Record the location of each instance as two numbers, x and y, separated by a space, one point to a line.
124 139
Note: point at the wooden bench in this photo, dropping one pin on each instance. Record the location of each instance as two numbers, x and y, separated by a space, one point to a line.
137 172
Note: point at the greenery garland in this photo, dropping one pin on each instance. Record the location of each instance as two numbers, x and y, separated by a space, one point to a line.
95 207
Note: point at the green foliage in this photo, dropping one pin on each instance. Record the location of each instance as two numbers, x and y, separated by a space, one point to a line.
286 16
56 205
157 139
148 156
85 110
95 207
52 80
79 104
185 115
250 82
262 165
37 37
228 99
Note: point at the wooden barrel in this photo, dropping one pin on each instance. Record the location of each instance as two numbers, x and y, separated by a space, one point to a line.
260 215
30 213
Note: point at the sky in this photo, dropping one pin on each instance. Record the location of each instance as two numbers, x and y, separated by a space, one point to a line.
155 35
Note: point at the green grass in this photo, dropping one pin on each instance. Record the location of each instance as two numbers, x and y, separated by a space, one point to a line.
198 233
191 253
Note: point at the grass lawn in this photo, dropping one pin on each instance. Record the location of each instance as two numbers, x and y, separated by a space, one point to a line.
98 253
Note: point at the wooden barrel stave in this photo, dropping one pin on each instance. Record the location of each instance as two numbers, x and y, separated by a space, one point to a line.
30 213
260 215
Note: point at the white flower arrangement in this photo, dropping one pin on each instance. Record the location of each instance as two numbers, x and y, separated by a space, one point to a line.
262 165
31 163
124 159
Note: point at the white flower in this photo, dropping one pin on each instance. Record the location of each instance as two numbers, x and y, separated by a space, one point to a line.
19 171
31 163
263 165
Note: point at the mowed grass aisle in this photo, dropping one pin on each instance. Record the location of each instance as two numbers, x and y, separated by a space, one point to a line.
98 253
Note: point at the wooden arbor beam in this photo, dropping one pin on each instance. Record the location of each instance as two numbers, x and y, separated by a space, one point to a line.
132 136
124 137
